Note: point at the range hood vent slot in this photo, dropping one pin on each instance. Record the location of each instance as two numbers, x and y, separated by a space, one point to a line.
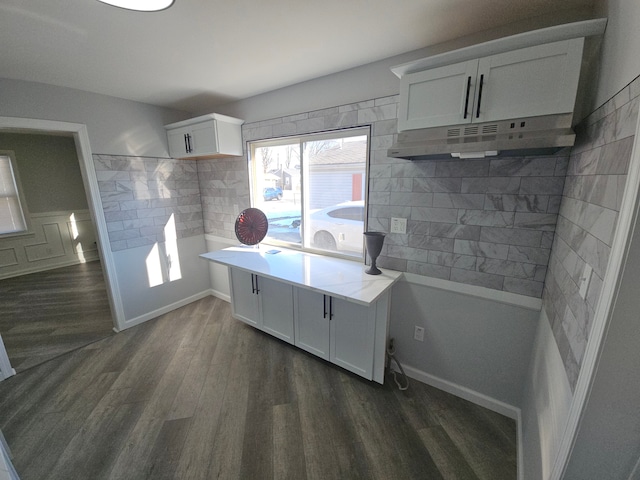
543 135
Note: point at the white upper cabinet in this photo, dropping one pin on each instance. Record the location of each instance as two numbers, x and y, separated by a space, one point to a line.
441 96
208 136
527 82
535 81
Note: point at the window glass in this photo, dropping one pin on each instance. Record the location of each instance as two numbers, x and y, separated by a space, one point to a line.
312 189
12 218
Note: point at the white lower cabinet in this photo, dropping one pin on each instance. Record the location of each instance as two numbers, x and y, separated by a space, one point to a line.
352 336
276 305
312 323
263 303
244 301
331 328
336 330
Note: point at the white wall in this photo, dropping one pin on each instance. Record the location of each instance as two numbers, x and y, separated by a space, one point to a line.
620 62
546 403
219 274
607 444
476 340
373 80
141 301
116 126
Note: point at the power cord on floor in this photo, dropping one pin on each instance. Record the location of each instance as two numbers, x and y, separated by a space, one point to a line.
391 350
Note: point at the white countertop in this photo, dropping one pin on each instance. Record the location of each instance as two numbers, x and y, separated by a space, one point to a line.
333 276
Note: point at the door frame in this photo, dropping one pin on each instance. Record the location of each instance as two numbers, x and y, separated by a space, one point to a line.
87 168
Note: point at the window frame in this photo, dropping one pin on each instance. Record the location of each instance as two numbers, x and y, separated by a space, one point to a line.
333 134
20 195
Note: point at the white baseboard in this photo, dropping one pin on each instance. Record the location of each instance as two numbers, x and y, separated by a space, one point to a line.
166 309
463 392
474 397
222 296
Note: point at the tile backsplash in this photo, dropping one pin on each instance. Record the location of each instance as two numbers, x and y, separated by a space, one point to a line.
140 195
487 222
594 186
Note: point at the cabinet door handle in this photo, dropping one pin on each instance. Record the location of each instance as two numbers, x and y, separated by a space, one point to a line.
186 143
330 308
257 289
466 98
480 95
324 306
253 286
189 139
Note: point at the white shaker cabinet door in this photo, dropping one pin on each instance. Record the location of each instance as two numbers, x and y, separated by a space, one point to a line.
276 305
244 300
540 80
204 138
437 97
178 142
312 322
352 336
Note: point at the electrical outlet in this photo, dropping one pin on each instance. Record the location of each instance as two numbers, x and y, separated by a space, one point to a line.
418 334
398 225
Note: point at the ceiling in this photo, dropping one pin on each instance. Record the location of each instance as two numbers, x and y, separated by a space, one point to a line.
202 53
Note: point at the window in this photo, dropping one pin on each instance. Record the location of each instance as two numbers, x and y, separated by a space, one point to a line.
312 189
12 217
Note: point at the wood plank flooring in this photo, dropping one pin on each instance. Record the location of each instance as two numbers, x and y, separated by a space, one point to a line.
195 394
49 313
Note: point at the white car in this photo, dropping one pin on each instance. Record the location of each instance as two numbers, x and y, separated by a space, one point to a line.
338 227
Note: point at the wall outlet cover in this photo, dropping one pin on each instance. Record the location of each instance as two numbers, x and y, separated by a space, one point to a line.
418 334
398 225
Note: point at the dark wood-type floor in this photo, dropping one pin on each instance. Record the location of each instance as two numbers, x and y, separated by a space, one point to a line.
49 313
195 394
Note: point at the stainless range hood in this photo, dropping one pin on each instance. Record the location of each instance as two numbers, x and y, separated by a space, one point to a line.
542 135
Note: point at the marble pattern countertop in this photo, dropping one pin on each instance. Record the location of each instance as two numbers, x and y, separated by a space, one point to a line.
339 278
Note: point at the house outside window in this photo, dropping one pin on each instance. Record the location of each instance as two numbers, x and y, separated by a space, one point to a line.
313 190
12 205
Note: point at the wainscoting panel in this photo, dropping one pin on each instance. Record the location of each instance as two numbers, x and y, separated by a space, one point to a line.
8 257
50 247
55 239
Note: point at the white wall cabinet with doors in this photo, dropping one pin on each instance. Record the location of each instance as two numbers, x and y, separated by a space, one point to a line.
207 136
532 81
262 303
326 306
337 330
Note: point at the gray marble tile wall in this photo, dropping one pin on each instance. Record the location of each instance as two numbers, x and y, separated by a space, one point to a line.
486 222
593 190
224 187
140 195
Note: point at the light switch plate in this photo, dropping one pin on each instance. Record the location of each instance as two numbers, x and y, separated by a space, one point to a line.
398 225
585 279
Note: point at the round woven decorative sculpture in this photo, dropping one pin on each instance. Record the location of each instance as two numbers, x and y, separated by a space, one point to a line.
251 226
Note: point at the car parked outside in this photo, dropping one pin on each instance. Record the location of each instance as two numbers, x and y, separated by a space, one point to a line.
272 193
338 227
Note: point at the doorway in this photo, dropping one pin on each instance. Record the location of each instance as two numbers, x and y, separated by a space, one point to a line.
99 274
